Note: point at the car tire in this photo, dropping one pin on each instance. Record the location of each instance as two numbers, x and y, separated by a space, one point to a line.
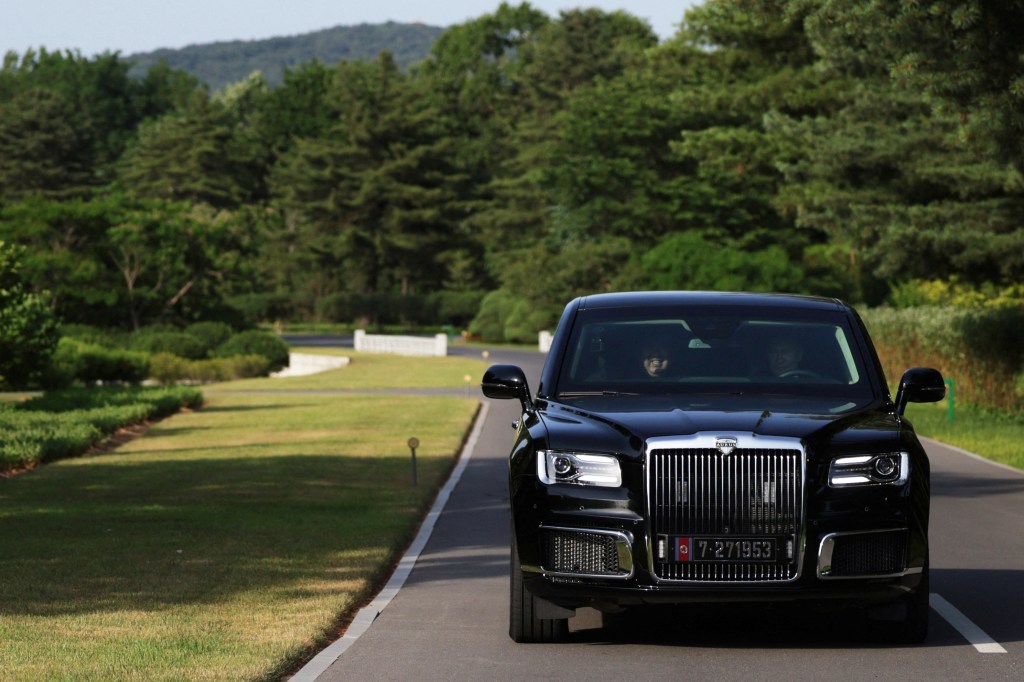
912 628
523 624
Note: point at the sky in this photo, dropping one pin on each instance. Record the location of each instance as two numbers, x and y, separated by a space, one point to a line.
129 26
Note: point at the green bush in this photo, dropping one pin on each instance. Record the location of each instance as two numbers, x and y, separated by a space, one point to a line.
255 342
154 340
495 308
68 422
89 364
457 308
167 368
96 336
210 334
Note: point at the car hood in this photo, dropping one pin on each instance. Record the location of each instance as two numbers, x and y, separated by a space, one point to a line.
572 427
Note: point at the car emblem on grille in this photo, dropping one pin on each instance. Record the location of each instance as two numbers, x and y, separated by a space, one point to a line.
725 446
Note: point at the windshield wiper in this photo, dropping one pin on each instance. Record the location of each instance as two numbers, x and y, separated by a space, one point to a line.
591 394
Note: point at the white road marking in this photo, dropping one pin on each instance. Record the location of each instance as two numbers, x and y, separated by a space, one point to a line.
971 632
365 616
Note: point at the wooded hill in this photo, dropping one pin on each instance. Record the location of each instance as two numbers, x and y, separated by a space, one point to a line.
867 150
222 63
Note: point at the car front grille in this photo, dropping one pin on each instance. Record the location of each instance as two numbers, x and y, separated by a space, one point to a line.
753 492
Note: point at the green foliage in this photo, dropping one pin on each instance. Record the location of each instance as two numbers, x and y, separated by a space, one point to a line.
254 342
696 260
807 145
210 334
155 340
978 348
69 422
88 363
167 368
954 293
28 328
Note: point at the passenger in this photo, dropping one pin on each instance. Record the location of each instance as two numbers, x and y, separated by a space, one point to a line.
656 359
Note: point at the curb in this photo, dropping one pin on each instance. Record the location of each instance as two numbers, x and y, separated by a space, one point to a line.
368 614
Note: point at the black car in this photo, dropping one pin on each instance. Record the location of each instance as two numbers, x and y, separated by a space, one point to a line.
701 447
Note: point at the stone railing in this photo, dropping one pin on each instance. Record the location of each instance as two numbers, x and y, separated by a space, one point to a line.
300 364
401 345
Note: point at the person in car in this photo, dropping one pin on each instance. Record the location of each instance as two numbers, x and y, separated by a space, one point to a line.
783 356
657 360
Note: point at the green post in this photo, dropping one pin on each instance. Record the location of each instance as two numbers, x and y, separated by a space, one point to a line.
950 400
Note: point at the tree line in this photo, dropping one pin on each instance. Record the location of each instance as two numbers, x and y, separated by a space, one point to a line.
843 149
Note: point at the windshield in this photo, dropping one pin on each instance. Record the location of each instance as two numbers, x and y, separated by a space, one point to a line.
780 352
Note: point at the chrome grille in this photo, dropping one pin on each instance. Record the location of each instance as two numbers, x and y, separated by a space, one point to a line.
752 491
569 552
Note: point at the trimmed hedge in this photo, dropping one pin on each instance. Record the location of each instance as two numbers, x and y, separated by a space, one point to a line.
167 368
90 363
256 342
69 422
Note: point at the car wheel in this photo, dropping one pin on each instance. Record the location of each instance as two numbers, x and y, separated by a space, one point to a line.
523 624
912 626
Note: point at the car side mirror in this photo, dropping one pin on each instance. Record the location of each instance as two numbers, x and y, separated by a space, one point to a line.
507 381
920 385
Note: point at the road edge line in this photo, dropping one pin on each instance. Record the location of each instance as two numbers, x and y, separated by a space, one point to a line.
365 616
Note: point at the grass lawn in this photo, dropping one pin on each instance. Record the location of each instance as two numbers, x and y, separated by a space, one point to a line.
992 435
226 542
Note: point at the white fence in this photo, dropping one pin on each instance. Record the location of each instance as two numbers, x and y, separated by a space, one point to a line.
401 345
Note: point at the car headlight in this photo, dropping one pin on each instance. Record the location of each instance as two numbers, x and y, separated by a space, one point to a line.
578 468
891 468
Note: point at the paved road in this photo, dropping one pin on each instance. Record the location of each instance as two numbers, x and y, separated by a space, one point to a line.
449 621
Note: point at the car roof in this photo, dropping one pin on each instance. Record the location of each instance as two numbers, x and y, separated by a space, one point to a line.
671 298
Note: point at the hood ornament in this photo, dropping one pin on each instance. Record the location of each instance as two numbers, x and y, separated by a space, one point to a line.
725 446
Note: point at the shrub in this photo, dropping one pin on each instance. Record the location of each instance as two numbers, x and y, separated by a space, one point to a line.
456 308
210 334
152 340
107 338
255 342
68 422
89 364
495 308
169 369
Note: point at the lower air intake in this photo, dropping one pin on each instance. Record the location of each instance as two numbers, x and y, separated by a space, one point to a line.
584 553
863 554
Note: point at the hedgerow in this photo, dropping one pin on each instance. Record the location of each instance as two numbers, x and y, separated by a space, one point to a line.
69 422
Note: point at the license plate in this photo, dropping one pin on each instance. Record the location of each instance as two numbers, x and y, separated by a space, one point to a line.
730 549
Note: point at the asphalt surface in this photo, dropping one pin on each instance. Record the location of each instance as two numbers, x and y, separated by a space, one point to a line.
449 619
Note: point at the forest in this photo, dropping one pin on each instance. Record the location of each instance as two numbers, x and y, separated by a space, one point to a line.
867 150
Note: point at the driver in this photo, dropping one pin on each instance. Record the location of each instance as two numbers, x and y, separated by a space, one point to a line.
784 355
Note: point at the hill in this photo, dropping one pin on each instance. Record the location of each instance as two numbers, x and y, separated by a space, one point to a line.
222 63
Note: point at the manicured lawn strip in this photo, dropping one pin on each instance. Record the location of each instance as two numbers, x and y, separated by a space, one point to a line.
222 545
993 435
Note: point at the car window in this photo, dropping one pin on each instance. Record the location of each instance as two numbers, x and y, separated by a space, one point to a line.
775 351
